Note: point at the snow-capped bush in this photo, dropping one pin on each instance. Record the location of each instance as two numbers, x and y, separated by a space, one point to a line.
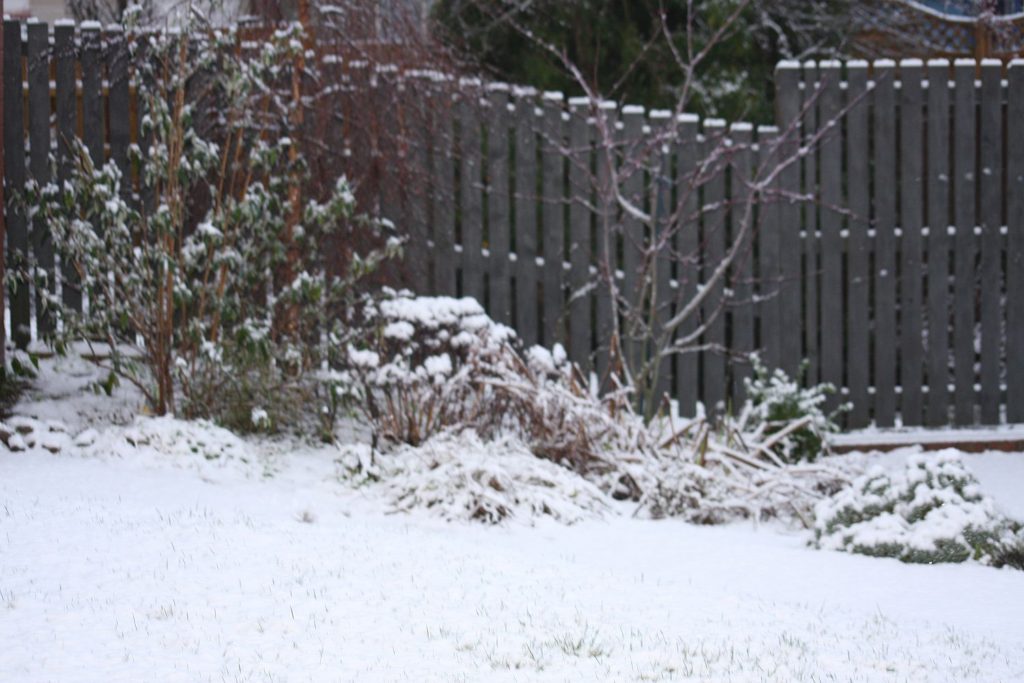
779 406
462 477
933 511
208 282
436 363
436 366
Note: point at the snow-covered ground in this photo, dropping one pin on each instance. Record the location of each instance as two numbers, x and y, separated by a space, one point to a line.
196 556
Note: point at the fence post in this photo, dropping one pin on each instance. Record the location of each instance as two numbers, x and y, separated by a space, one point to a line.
1015 257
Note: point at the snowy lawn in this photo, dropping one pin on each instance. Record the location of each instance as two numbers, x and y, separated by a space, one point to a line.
195 556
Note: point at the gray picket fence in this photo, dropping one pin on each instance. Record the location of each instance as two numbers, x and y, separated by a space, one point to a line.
894 272
894 269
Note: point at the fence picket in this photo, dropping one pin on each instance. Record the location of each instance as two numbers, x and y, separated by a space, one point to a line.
553 217
687 245
811 226
14 177
831 279
713 386
470 185
499 206
939 221
1015 246
580 296
64 57
38 58
526 219
787 82
911 223
767 237
964 246
742 308
858 359
885 282
631 169
990 218
443 195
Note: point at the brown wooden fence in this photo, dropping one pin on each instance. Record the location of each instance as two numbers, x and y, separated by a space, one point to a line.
898 278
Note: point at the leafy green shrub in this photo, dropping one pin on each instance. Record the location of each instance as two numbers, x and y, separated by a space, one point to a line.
779 405
223 307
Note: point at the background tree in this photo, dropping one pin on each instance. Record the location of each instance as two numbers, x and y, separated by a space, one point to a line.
620 46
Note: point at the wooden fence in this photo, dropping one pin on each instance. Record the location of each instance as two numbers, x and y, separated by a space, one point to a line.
898 279
898 276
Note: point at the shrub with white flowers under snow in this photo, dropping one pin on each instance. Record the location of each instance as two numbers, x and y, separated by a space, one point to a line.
933 511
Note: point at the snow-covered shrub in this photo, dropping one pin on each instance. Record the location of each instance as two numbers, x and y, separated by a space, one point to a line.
436 363
459 476
779 406
933 511
208 280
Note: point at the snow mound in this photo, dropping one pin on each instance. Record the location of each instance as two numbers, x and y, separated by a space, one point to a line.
459 477
932 511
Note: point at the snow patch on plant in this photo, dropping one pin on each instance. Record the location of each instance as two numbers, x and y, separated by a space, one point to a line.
933 511
460 477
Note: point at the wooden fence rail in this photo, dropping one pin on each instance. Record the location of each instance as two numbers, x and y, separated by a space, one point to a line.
899 277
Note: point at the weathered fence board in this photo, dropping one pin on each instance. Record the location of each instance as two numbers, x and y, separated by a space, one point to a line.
742 313
1015 249
38 62
14 178
858 282
687 245
553 218
990 218
832 329
470 190
911 224
526 219
499 206
964 247
939 221
885 282
580 255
